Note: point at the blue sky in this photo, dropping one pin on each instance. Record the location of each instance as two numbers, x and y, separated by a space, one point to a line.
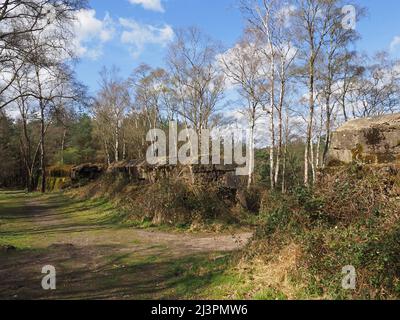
126 33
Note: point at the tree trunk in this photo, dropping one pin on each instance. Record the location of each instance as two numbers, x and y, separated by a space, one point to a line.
310 122
272 151
27 153
42 132
108 159
124 150
318 151
285 154
251 160
312 160
272 124
280 128
63 146
42 148
117 143
346 118
328 113
328 131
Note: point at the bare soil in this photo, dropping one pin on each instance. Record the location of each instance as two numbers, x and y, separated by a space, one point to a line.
95 260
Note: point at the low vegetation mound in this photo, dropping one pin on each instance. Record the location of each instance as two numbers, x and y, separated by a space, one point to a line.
169 201
351 218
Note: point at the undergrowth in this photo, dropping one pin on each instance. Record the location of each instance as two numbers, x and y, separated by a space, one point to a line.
350 218
304 238
168 202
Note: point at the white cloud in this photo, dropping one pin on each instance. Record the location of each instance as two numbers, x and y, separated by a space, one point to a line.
243 55
139 35
91 33
395 43
154 5
285 15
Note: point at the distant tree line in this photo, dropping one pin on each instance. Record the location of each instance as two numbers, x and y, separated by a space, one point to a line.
294 73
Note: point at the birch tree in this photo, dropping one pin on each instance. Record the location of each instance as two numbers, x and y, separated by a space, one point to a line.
44 81
243 66
313 22
198 82
111 106
20 20
333 71
377 90
270 21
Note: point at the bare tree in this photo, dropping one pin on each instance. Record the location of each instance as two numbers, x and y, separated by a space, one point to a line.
20 21
377 90
313 22
286 58
52 87
112 104
269 20
198 84
27 110
333 69
243 66
262 17
44 80
349 72
34 41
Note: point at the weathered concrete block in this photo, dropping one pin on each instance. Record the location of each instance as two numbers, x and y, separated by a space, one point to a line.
140 171
369 140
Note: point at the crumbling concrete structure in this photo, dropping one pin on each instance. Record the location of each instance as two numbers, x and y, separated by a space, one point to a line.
373 140
140 171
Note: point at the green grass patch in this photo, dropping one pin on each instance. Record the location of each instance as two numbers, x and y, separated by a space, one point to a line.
270 294
204 277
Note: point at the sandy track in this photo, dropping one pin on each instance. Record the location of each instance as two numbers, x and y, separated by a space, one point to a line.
99 261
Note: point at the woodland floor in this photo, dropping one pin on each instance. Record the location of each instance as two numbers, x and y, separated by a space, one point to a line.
97 258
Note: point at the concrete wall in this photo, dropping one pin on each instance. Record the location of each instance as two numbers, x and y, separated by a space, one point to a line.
369 140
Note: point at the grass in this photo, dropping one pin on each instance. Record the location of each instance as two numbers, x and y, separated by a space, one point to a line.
20 227
202 278
219 278
270 294
303 241
11 228
145 271
105 259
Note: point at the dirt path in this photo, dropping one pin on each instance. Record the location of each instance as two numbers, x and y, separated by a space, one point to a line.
96 260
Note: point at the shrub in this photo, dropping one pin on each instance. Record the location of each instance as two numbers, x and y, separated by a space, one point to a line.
60 171
250 199
351 217
168 201
174 201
